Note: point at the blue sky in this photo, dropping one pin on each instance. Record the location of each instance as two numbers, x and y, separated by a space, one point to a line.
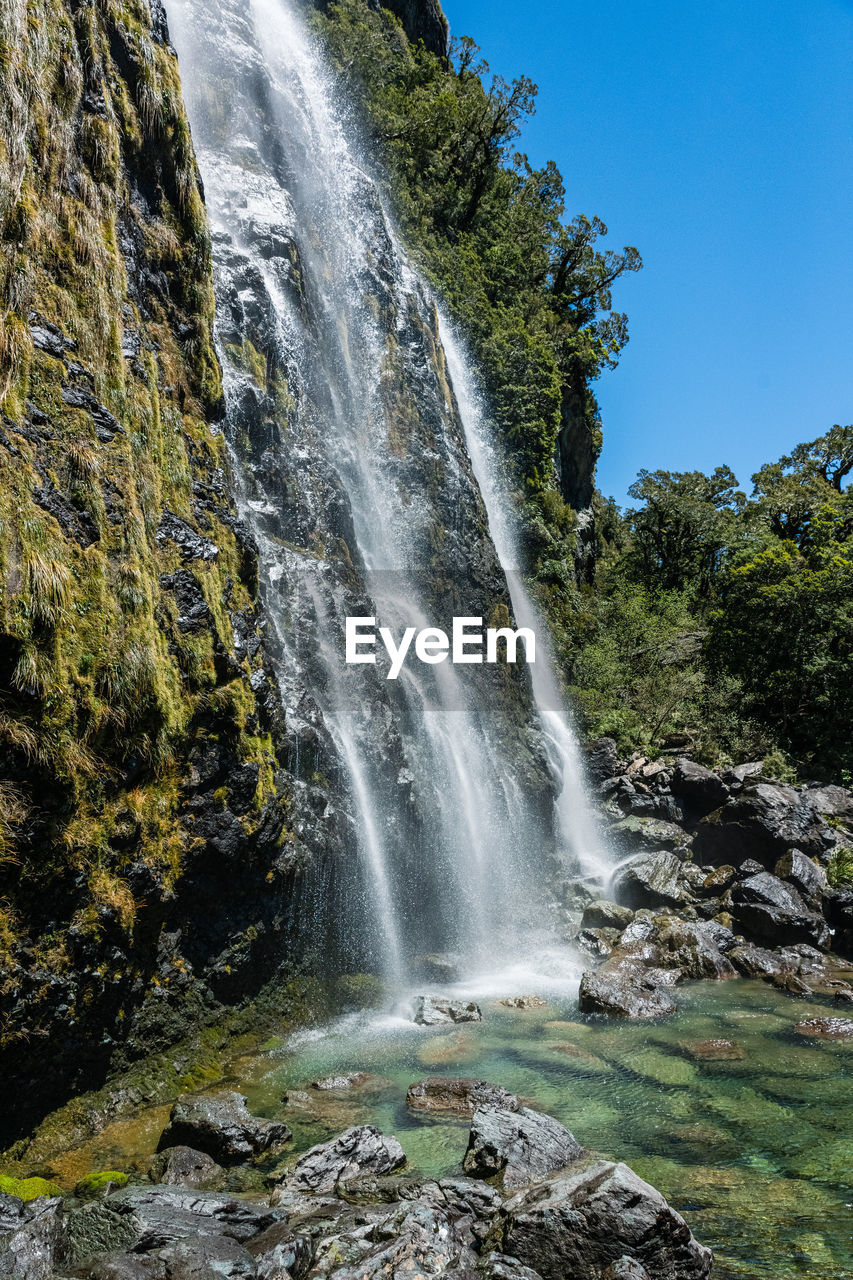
717 138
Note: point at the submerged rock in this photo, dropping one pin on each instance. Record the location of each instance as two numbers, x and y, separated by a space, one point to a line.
826 1028
523 1002
459 1094
517 1146
221 1125
433 1011
583 1221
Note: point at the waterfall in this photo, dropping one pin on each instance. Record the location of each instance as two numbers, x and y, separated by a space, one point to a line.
429 812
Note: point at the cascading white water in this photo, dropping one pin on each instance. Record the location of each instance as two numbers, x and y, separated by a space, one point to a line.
576 820
355 477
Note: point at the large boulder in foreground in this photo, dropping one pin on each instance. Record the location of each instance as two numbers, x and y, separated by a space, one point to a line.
458 1095
361 1150
764 823
30 1237
220 1125
579 1224
516 1147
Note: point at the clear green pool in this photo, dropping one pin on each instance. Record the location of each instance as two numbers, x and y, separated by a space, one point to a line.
756 1151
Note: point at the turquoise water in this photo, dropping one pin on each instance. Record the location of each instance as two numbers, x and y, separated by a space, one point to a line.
755 1149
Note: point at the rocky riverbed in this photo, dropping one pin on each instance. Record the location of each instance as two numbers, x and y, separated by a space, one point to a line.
722 875
532 1202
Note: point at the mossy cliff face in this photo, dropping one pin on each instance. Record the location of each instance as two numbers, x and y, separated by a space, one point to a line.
138 726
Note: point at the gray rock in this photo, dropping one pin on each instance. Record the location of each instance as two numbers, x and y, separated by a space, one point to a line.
625 989
190 543
220 1125
434 1011
184 1167
517 1146
763 822
578 1224
757 962
209 1258
650 880
649 833
497 1266
31 1236
806 876
626 1269
692 948
703 790
603 914
145 1219
461 1095
769 910
279 1251
361 1150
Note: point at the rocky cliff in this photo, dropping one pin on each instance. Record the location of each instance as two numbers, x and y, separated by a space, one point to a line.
139 731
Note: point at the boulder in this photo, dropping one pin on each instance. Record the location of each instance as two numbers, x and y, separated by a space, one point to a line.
763 822
603 760
433 1011
719 880
213 1257
281 1252
806 876
219 1124
772 911
650 880
703 790
578 1224
31 1236
361 1150
625 989
649 833
184 1167
832 802
603 914
458 1094
757 962
626 1269
515 1147
692 948
139 1220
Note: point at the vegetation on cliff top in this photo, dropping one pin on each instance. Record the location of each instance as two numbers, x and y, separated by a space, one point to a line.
721 620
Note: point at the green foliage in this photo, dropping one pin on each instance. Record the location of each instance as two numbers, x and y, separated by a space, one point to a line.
95 1183
725 618
531 291
839 869
27 1189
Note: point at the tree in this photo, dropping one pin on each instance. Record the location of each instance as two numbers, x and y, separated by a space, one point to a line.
683 530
